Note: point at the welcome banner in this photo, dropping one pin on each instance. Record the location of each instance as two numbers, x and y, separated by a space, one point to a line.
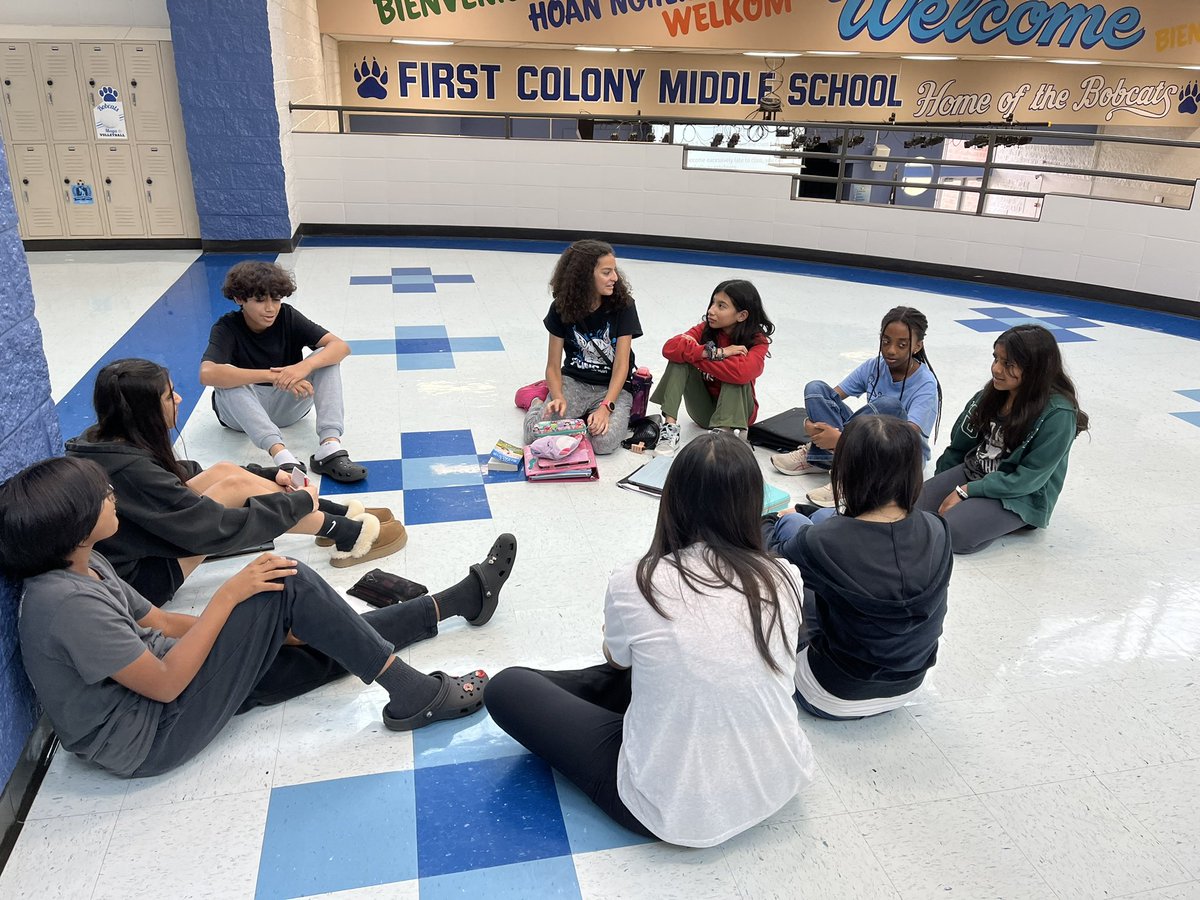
567 83
1151 31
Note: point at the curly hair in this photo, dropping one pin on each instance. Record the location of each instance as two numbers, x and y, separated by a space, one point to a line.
251 279
572 284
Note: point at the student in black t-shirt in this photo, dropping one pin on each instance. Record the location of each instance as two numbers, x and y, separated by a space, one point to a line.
263 381
592 323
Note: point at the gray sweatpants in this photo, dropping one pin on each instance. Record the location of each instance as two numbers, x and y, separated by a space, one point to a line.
581 399
974 523
260 410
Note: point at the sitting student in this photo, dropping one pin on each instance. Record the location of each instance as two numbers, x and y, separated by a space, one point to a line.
139 691
263 381
712 366
688 733
875 577
174 512
1007 458
911 391
593 321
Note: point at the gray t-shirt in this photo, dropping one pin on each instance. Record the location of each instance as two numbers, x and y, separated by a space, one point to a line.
76 631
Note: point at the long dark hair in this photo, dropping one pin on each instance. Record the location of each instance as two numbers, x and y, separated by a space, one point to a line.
917 325
572 285
713 495
128 402
1033 349
745 298
879 460
46 511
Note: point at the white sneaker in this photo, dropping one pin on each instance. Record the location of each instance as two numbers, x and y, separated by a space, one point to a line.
822 496
796 463
668 439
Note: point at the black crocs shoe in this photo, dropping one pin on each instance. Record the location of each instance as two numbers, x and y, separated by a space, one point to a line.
338 466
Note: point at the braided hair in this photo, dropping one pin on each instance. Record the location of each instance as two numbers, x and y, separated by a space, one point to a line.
916 323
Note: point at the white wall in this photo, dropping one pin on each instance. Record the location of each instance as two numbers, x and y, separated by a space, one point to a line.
120 14
643 189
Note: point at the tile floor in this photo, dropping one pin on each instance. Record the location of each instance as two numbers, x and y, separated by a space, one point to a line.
1053 752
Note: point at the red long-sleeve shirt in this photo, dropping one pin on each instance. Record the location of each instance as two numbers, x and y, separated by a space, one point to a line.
731 370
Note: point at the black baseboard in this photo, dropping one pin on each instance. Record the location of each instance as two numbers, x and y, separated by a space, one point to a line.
1101 293
23 784
34 245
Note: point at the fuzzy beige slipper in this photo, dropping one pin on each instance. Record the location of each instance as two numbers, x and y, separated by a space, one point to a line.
376 541
355 508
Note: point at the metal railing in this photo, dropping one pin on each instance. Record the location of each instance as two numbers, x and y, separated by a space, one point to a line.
1008 174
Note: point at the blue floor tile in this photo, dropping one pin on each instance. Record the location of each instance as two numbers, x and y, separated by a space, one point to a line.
984 325
370 279
1069 322
460 741
1191 394
545 879
339 834
1070 337
423 288
423 345
415 362
441 471
588 828
455 442
1014 321
413 270
427 506
454 279
475 344
382 475
377 347
424 278
487 813
1190 417
414 332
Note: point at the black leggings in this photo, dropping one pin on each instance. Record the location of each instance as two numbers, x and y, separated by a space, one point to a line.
574 721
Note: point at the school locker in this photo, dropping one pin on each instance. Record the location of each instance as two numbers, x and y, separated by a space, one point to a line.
80 197
160 189
98 68
22 106
122 193
59 82
35 189
145 100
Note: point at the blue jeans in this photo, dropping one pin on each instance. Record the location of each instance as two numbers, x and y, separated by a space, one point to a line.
822 404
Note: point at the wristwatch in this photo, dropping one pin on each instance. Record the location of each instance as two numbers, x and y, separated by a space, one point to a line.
962 492
710 350
609 405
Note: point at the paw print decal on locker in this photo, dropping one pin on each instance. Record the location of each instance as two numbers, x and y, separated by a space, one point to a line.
1189 99
108 94
371 80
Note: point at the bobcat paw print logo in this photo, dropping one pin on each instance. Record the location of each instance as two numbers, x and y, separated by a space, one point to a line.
371 80
1189 99
108 94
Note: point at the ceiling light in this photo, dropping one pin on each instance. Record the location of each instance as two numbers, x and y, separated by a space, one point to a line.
1012 57
597 49
929 58
1075 62
1192 68
414 42
624 49
781 53
833 53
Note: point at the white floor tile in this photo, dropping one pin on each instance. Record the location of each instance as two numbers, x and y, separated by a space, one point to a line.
58 857
1163 799
657 870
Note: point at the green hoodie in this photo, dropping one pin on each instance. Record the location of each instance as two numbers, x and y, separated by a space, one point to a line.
1028 480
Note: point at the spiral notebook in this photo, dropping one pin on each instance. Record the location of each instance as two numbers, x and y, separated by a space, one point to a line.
650 478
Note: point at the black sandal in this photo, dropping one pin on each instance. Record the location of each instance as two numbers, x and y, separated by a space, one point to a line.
492 573
339 466
456 698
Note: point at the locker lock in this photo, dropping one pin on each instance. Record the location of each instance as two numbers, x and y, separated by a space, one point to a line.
133 82
50 82
108 181
91 82
66 181
7 83
24 181
149 181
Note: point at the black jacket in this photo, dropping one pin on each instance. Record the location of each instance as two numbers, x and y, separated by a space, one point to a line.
160 516
878 601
